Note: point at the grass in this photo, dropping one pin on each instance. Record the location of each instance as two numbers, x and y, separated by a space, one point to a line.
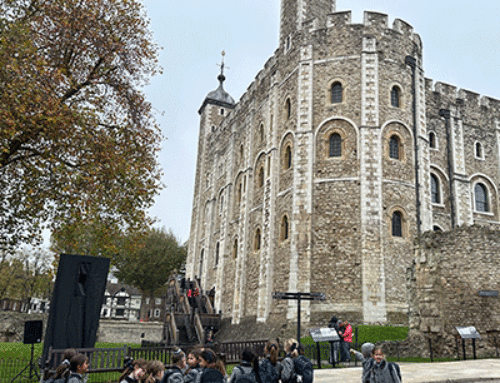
372 334
23 351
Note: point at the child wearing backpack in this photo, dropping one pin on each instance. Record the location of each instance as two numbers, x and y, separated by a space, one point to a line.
383 371
303 367
287 365
247 370
175 374
62 371
365 357
269 367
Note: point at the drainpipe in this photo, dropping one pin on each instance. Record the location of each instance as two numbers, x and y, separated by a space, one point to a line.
445 113
412 62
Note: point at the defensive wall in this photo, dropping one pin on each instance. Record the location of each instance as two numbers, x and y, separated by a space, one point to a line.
12 329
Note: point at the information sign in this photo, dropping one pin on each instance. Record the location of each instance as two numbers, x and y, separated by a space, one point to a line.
325 334
469 332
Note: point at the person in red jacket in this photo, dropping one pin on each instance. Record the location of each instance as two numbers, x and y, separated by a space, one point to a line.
346 334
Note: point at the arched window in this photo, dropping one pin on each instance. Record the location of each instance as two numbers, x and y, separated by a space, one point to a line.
335 145
288 108
436 195
261 176
284 228
217 250
395 96
432 140
235 248
336 93
394 147
241 153
437 228
201 262
397 224
257 240
479 150
481 197
287 163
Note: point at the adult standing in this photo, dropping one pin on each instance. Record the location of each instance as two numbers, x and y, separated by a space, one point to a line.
346 334
334 346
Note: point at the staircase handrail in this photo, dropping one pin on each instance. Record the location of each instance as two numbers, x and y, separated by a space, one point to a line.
200 331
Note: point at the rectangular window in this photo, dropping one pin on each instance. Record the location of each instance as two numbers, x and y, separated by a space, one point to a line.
120 312
121 301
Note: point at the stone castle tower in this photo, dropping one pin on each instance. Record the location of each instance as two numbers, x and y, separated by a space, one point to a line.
321 176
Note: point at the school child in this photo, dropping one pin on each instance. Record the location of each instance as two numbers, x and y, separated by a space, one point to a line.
78 365
365 357
62 371
193 365
269 367
175 374
247 370
212 367
134 371
383 371
155 370
304 372
287 365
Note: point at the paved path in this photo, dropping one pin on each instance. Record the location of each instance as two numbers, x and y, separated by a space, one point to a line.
468 371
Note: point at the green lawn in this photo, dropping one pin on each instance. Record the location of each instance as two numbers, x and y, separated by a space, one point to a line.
23 351
373 334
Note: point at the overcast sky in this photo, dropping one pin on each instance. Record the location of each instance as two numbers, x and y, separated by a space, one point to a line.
461 47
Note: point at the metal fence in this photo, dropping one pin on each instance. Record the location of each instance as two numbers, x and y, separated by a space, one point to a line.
11 368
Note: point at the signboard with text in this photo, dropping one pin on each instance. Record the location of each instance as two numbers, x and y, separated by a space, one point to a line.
469 332
325 334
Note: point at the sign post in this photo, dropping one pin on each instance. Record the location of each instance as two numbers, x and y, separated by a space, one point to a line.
324 335
469 332
298 297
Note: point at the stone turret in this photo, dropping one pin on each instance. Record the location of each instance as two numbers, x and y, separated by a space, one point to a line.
295 12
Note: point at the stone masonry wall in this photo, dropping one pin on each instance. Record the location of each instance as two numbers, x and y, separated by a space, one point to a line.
449 271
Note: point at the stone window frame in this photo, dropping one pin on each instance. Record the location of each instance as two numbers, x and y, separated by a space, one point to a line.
439 190
260 134
285 230
261 176
257 239
288 43
235 247
402 147
217 255
488 197
400 98
287 108
479 156
436 142
238 193
405 233
343 136
284 160
242 154
329 92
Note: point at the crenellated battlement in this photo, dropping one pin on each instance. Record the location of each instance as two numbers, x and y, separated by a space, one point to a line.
463 96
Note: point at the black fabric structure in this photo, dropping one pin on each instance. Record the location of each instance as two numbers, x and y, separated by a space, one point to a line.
76 302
